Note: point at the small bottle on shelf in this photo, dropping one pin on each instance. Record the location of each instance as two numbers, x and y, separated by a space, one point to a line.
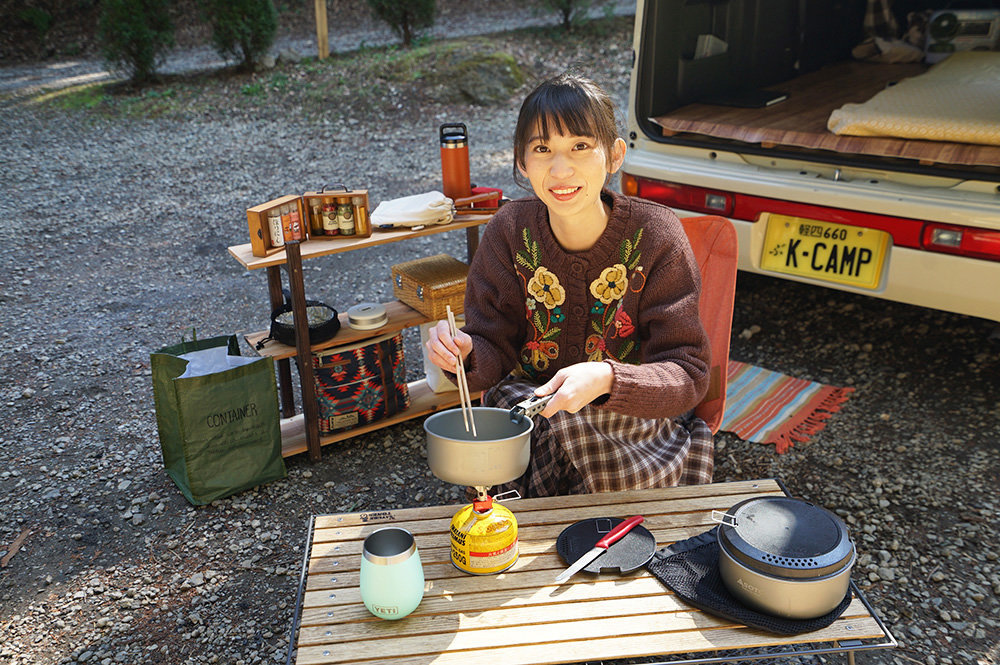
361 223
295 222
345 216
330 217
275 232
286 222
315 217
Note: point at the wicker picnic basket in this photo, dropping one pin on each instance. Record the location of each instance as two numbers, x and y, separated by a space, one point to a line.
430 284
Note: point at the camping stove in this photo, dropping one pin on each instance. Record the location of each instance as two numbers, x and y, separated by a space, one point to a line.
483 533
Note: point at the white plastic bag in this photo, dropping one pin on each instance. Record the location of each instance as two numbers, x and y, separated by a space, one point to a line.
417 210
436 379
210 361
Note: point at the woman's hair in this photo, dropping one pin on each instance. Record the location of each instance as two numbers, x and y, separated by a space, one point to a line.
565 104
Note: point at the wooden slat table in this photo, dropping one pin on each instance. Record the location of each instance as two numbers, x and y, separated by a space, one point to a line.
522 615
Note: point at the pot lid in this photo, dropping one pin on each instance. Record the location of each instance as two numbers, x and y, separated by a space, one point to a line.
786 537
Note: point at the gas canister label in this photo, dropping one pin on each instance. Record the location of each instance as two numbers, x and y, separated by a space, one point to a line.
483 543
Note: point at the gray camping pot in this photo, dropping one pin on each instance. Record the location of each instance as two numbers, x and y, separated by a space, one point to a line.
785 557
498 453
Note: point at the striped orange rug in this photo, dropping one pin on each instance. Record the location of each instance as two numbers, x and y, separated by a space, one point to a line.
770 407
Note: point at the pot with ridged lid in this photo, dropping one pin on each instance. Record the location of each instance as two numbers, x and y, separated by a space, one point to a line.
785 557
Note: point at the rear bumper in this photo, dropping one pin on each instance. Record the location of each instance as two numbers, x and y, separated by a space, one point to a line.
916 277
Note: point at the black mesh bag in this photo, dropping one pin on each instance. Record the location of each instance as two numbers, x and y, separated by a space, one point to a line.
690 568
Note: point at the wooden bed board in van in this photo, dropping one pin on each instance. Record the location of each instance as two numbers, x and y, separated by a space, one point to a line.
800 121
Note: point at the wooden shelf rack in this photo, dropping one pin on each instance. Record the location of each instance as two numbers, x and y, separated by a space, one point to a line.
300 432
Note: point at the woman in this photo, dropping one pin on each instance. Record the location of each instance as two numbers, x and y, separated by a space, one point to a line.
592 297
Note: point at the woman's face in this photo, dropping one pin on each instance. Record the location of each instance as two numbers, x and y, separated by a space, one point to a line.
568 172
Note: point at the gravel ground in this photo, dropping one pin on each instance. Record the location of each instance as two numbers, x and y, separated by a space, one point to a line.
117 229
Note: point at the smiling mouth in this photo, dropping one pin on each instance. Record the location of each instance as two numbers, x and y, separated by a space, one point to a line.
564 192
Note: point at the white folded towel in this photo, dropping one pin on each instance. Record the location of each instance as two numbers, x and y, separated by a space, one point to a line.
417 210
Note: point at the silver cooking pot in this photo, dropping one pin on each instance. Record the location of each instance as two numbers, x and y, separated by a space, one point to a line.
499 453
785 557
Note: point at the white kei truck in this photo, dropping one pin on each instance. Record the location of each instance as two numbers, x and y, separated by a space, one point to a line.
731 104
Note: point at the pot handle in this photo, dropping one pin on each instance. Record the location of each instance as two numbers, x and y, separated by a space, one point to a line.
529 407
724 518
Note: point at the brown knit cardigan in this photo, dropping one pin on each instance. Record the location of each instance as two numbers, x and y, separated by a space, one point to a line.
631 301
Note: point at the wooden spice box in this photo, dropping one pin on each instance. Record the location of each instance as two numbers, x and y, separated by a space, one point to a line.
260 233
316 225
430 284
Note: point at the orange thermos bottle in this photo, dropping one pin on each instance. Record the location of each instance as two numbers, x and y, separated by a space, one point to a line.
455 160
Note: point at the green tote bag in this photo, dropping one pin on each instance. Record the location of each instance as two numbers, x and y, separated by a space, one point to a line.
219 431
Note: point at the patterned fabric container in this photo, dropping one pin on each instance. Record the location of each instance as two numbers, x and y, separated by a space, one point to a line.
361 383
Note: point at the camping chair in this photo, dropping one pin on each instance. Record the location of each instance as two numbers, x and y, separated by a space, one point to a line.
713 240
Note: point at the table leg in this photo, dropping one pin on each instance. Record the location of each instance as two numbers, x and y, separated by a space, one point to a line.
310 410
284 368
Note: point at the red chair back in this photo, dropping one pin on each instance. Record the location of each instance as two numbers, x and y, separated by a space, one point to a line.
713 240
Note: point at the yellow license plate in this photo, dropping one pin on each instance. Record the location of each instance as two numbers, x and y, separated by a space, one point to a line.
837 253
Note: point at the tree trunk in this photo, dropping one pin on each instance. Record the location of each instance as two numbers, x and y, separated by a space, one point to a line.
407 31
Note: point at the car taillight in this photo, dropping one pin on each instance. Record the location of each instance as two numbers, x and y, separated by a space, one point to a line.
630 185
905 232
696 199
977 243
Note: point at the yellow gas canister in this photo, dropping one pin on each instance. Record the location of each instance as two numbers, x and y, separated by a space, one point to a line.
483 538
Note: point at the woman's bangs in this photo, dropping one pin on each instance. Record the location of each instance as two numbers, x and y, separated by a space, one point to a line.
564 112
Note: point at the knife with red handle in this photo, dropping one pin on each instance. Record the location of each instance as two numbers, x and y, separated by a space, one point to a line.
601 547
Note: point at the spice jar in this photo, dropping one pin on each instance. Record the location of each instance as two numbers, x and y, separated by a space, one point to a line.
345 216
315 217
330 227
275 232
286 222
295 222
361 225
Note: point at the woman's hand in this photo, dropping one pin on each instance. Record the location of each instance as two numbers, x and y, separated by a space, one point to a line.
443 349
576 386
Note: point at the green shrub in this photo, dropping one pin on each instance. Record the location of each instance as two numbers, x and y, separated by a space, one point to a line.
135 36
405 17
39 20
242 29
572 11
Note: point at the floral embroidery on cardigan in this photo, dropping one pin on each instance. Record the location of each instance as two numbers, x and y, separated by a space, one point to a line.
544 289
544 296
611 321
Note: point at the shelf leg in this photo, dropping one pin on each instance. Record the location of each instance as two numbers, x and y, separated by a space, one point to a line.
284 368
303 352
471 241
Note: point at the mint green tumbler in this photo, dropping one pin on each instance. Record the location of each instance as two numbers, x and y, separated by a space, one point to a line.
392 579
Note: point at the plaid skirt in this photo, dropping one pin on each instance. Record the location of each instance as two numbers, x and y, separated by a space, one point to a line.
597 450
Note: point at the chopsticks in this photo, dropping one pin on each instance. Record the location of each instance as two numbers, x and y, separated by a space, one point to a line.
463 383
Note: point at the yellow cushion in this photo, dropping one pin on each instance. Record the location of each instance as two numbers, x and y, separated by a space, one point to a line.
956 100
